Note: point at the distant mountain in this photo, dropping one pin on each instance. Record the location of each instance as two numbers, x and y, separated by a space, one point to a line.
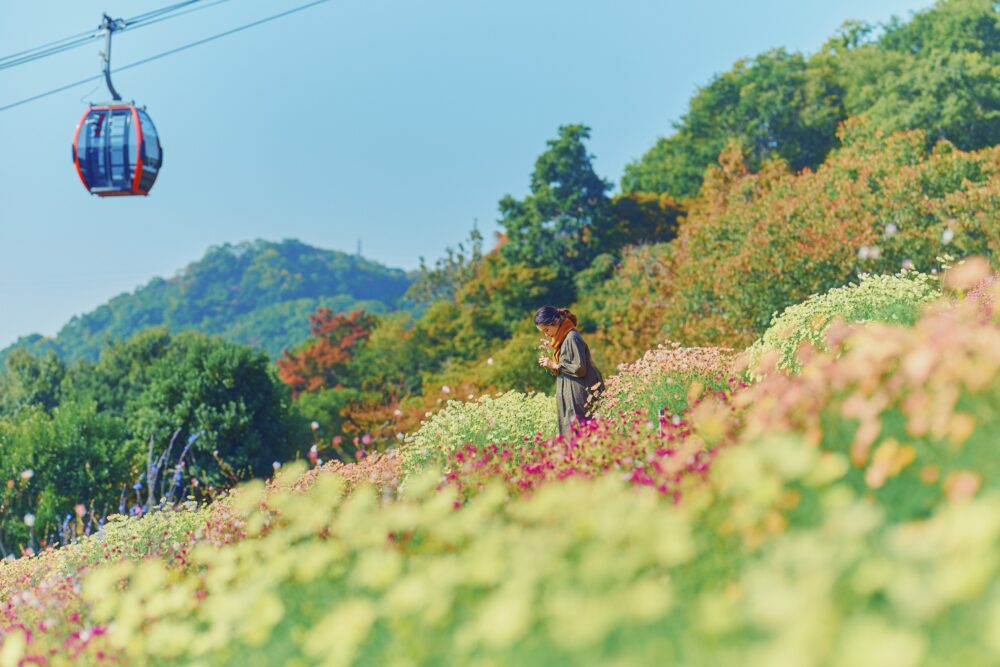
258 293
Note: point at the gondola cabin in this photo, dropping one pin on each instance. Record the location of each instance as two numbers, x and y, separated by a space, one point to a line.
117 151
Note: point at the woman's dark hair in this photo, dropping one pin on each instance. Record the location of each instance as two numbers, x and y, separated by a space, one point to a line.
547 315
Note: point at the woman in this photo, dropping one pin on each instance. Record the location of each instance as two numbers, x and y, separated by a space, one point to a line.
578 380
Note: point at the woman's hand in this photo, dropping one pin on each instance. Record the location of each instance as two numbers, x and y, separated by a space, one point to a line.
547 362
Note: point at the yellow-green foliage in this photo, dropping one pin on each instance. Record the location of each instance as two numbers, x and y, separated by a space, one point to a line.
557 577
892 299
503 418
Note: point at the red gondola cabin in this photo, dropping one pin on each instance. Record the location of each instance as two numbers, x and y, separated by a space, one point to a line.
117 151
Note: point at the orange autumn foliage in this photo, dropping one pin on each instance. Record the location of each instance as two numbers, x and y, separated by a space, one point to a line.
322 362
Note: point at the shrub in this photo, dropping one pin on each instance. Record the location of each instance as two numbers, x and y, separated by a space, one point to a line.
662 453
914 410
50 464
662 377
490 419
756 243
895 299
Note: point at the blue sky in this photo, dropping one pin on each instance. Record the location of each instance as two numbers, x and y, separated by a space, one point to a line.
393 121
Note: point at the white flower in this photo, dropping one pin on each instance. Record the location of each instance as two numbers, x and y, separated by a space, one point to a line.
27 474
869 252
947 235
445 389
397 412
315 426
275 465
489 362
907 264
29 520
890 229
399 436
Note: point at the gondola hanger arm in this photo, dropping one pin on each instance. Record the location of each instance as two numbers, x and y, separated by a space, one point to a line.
108 27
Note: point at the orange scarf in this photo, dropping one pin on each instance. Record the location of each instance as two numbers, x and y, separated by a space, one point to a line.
565 327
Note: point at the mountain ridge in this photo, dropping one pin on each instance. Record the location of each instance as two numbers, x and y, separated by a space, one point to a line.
254 292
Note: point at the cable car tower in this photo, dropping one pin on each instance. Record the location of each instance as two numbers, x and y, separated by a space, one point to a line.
116 149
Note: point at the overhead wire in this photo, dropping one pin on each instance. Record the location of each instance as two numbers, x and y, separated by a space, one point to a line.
134 23
45 46
144 23
163 54
35 54
163 10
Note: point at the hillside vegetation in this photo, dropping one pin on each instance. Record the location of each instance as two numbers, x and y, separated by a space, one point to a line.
258 294
939 72
844 515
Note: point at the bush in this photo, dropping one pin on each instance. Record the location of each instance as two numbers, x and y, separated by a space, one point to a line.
913 409
668 377
893 299
756 243
51 464
505 418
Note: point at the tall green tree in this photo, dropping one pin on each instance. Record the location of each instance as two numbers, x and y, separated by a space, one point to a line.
156 383
558 224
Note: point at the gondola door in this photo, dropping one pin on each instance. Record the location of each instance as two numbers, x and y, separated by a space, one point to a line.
118 145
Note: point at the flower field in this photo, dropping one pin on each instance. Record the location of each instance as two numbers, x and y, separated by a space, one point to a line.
845 512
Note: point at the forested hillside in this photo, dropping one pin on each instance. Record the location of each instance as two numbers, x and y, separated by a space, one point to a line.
257 293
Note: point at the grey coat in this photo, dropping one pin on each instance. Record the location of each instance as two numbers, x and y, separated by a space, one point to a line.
577 375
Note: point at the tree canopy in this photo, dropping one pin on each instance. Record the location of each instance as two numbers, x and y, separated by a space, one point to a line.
938 72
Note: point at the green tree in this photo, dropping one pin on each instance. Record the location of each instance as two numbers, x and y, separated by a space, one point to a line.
54 461
772 105
227 393
939 72
449 272
568 210
121 374
30 380
155 383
